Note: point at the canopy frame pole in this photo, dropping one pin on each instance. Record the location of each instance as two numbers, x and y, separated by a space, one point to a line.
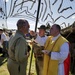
39 2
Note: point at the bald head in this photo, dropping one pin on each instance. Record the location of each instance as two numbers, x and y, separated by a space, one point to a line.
23 26
22 23
55 30
58 27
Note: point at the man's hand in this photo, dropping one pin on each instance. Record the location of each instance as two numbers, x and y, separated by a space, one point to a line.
45 51
33 42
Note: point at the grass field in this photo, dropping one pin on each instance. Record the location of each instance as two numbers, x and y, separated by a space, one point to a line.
4 71
3 66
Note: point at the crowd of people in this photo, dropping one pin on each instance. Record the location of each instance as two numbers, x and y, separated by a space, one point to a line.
4 38
52 55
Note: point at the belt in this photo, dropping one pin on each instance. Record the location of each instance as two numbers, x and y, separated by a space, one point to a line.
12 59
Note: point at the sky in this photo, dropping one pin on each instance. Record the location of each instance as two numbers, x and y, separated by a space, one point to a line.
11 23
44 18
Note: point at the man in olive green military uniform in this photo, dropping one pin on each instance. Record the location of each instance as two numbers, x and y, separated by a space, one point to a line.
38 46
18 50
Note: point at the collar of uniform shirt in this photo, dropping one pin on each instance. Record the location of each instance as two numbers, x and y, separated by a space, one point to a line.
54 38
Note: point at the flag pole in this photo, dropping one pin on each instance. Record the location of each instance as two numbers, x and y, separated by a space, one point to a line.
39 2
